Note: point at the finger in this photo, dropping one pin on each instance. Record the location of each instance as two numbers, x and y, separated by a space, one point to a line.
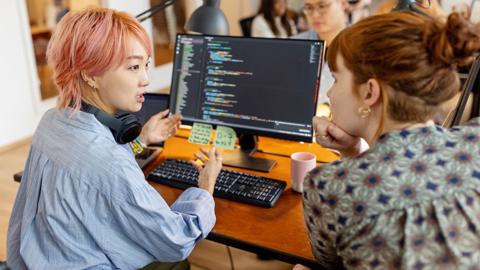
325 141
176 118
204 151
338 134
320 125
201 157
330 145
161 114
328 141
320 121
165 124
324 137
196 165
172 120
211 153
315 120
218 154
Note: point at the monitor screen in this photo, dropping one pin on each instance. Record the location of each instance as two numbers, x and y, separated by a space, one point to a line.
257 86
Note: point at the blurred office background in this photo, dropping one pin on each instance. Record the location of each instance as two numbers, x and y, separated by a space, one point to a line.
28 90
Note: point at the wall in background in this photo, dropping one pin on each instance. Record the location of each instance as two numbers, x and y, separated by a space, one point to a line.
20 107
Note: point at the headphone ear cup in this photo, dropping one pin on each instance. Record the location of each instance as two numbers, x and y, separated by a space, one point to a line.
130 130
124 127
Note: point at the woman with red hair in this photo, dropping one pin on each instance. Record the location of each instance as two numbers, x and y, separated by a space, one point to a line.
83 202
412 201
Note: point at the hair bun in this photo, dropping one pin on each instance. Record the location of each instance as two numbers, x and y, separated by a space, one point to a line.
452 42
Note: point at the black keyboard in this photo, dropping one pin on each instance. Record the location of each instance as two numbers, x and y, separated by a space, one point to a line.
231 185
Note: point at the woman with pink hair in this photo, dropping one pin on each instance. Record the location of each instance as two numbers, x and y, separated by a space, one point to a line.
83 201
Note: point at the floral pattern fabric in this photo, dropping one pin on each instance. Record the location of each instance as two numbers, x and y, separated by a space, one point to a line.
410 202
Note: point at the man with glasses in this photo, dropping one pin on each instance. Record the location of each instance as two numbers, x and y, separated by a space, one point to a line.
326 18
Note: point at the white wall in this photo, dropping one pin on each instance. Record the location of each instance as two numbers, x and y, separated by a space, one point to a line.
20 108
159 76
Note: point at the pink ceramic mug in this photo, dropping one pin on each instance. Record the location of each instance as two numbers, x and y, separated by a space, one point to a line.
301 164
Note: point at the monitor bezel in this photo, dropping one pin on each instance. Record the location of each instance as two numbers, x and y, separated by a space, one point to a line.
252 130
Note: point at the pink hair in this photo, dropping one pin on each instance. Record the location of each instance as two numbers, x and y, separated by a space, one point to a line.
90 41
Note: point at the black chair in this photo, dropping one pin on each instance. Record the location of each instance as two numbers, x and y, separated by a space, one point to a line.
17 178
246 25
468 106
3 266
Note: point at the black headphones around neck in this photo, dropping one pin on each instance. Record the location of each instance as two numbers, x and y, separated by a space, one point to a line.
125 127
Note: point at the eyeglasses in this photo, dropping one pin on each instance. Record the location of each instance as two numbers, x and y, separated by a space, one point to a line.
321 7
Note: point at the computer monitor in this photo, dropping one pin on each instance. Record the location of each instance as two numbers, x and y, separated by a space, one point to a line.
257 86
470 89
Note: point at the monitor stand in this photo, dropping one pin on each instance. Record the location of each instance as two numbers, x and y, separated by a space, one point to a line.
243 158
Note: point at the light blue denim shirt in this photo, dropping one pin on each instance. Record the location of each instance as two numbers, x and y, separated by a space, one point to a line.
83 203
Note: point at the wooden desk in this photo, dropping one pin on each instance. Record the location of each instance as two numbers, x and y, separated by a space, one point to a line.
278 232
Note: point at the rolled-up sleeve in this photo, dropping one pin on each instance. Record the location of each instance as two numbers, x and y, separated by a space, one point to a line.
197 202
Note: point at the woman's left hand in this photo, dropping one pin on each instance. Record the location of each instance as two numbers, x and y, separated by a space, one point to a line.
159 127
328 135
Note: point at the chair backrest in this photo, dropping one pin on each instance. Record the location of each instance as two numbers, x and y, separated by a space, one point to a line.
246 26
18 176
468 105
449 111
3 266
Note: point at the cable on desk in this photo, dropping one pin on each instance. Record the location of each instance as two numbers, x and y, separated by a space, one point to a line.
232 266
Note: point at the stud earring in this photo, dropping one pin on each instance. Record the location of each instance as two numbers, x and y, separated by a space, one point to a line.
364 112
90 83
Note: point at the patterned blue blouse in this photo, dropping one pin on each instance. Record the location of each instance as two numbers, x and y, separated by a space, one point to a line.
410 202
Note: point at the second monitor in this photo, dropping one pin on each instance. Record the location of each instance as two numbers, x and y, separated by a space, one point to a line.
257 86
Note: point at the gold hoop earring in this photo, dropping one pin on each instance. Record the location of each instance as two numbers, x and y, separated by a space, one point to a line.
364 112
